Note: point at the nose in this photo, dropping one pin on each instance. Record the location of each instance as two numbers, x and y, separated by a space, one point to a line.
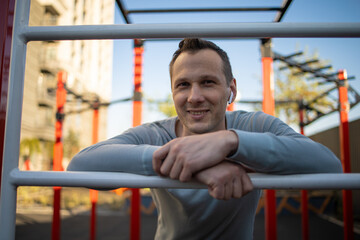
196 94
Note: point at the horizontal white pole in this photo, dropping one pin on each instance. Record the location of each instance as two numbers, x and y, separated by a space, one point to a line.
110 180
180 30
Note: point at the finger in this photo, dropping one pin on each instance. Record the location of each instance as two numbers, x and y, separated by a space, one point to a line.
159 156
167 164
217 192
237 188
176 170
185 175
228 191
211 192
247 184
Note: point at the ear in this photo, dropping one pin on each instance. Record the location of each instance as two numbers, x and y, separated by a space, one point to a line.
232 90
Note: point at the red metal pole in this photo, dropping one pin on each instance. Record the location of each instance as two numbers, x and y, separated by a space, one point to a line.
269 108
268 86
27 164
58 149
6 26
94 193
137 110
345 152
304 193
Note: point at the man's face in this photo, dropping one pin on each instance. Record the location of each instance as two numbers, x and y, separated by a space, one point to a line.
200 92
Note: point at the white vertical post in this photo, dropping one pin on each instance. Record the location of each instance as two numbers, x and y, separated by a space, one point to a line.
13 122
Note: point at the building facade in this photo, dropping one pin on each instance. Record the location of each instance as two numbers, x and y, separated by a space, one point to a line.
88 65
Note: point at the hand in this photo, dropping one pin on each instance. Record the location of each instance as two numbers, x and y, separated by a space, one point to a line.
182 157
226 180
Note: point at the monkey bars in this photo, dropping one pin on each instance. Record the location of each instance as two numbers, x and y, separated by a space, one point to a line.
22 33
181 30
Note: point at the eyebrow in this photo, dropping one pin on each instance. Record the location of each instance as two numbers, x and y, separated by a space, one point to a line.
202 77
180 80
206 76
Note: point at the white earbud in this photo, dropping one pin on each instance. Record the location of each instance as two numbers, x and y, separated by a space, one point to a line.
231 97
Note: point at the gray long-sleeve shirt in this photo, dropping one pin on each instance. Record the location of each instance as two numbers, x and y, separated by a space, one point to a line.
266 145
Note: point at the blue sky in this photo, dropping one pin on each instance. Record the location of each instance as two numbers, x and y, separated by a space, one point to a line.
244 54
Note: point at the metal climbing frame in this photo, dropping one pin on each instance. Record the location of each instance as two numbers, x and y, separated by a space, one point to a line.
23 33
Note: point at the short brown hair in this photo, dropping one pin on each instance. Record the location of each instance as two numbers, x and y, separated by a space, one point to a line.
196 44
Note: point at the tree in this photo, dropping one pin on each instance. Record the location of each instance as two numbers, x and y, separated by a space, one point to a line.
71 144
166 107
293 86
29 146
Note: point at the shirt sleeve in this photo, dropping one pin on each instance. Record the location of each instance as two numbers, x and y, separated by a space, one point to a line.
271 146
123 153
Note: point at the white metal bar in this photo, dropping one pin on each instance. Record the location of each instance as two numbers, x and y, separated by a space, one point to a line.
180 30
13 122
116 180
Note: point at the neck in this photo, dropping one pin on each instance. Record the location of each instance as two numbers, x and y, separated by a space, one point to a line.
179 129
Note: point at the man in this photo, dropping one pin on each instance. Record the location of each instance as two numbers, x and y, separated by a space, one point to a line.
210 145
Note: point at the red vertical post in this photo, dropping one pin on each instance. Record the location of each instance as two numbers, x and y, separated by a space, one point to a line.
304 193
94 193
58 149
137 110
6 26
345 152
27 164
269 108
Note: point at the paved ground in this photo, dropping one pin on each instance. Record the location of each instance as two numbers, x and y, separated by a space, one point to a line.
35 225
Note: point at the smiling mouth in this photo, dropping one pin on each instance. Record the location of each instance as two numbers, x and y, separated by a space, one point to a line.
198 113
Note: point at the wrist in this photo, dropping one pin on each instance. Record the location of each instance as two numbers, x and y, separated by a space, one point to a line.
232 142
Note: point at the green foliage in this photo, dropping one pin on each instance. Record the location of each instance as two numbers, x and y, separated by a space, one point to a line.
71 198
34 196
49 149
29 146
71 144
167 107
44 196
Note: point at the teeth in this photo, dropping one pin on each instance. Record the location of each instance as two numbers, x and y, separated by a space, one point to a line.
198 113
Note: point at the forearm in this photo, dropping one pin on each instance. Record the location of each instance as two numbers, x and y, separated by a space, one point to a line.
268 153
107 156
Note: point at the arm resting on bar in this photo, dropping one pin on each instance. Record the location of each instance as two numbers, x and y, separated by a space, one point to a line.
116 180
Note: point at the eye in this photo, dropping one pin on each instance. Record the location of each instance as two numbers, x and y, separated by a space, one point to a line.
208 82
182 85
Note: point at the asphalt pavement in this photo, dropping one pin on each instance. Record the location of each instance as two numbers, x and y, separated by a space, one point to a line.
33 225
